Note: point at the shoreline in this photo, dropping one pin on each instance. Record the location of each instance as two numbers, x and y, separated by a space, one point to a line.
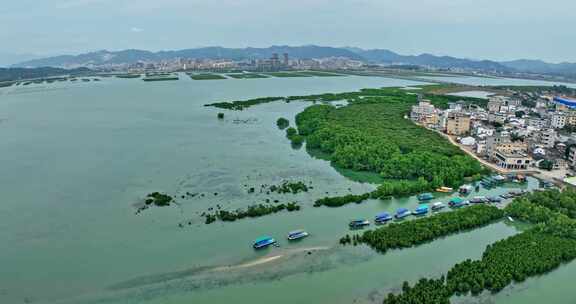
268 259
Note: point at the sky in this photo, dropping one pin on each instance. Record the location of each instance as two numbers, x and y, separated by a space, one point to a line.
478 29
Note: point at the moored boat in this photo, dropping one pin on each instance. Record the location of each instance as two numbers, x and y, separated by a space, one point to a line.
478 200
437 206
466 189
494 199
382 218
263 242
444 189
425 196
297 234
359 223
402 213
456 202
421 210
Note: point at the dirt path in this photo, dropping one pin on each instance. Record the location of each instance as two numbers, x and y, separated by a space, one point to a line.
483 161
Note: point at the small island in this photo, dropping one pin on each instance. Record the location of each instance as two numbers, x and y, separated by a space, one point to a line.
158 199
282 123
252 211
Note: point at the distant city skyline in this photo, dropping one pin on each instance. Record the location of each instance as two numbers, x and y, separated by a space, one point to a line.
492 29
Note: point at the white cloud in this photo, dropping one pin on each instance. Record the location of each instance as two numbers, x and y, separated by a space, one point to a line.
136 30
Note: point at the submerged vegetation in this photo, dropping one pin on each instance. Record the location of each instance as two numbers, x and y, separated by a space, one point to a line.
416 232
252 211
289 187
158 199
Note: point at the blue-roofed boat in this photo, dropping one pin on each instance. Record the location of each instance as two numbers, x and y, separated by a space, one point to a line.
359 223
425 197
263 242
402 213
456 202
382 218
296 235
421 210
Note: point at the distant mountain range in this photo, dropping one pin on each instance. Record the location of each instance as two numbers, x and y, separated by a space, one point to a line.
376 56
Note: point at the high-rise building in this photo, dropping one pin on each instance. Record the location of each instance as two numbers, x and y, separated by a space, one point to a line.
286 61
457 124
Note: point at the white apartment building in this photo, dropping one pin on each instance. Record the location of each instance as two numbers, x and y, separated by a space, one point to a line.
558 120
548 138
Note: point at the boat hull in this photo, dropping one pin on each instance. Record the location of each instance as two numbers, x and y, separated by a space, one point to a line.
298 236
264 244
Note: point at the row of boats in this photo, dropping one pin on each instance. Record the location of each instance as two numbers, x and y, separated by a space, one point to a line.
401 213
423 209
267 241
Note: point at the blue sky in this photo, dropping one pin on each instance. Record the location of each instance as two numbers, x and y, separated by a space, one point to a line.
485 29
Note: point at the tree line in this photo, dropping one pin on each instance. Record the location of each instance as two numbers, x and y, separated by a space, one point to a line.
415 232
536 251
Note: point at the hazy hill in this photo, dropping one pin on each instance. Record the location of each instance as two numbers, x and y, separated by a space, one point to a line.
381 56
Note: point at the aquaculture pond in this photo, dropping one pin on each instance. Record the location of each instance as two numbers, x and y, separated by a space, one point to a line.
80 158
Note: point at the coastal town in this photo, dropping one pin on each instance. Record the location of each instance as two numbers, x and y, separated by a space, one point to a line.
516 130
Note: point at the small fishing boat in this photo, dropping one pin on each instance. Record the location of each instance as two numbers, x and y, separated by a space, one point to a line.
499 179
494 199
382 218
466 189
297 234
263 242
359 223
456 202
421 210
425 197
478 200
402 213
444 189
437 206
511 219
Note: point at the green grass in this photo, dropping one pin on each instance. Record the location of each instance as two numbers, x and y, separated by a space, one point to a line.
287 74
247 76
321 74
206 76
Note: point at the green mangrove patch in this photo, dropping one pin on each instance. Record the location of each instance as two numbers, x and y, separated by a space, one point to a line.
426 229
251 212
206 76
536 251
